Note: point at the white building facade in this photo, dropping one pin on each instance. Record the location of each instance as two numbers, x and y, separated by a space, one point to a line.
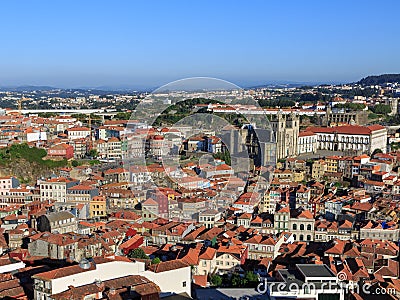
363 139
307 142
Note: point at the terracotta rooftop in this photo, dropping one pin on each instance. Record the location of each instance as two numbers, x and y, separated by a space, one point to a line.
168 266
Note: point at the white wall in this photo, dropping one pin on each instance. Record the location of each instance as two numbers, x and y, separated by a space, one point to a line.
105 271
11 267
36 136
171 281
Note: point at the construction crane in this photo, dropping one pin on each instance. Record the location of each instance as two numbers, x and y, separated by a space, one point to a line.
19 102
90 127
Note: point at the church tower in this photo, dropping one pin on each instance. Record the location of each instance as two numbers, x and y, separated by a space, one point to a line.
286 130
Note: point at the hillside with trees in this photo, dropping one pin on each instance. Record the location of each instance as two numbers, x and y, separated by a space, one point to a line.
380 79
27 163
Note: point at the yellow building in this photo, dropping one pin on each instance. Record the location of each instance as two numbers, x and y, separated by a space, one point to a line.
98 207
319 168
332 163
298 175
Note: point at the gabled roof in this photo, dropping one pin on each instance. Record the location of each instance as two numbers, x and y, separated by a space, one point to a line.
168 266
208 254
150 201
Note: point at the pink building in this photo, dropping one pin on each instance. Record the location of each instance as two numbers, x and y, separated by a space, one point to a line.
7 183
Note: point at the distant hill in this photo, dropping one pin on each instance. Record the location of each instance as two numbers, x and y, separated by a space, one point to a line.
380 79
88 90
27 88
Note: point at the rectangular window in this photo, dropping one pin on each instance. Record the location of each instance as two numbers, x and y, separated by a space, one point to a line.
184 284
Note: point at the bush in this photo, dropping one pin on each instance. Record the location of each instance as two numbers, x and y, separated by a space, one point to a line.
251 278
155 261
216 280
138 253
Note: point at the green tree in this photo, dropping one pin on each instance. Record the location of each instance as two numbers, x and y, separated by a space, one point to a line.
138 253
74 163
351 106
93 162
236 280
381 109
372 116
93 153
155 261
225 156
216 280
394 146
251 278
123 116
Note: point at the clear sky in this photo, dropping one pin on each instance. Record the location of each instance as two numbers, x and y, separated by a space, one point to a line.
149 43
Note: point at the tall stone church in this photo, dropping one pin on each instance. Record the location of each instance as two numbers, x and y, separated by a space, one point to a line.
286 130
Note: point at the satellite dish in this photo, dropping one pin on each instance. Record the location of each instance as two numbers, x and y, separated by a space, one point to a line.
84 264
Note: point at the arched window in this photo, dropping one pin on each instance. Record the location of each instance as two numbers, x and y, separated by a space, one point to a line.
308 237
309 227
301 237
301 226
294 226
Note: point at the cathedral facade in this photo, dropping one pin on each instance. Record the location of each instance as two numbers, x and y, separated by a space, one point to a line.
286 131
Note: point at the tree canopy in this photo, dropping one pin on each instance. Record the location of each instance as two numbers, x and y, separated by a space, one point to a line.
138 253
351 106
216 280
155 261
381 109
380 79
276 103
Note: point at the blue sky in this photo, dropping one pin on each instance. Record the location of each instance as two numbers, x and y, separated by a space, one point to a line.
150 43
